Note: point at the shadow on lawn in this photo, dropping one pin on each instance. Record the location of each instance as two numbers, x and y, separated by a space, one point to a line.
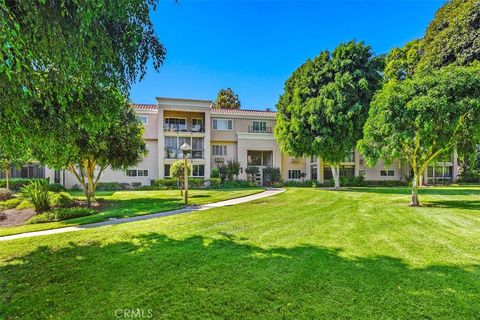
423 191
460 204
222 278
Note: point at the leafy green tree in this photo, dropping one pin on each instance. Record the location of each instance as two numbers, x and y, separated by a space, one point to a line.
272 175
227 99
325 104
13 153
177 171
53 52
422 118
401 63
453 36
105 133
229 170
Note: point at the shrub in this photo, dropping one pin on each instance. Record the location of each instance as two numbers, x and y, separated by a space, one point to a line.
108 186
56 187
215 173
237 184
5 194
387 183
24 204
61 214
37 194
9 204
145 188
229 170
252 171
213 182
168 183
136 185
61 199
272 175
15 183
358 181
306 183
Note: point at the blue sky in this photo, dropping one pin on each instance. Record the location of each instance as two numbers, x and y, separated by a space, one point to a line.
254 46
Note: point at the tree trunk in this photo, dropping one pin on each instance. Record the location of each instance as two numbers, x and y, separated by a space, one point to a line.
7 178
336 176
415 185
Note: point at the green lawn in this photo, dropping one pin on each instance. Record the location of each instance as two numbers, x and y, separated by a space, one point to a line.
122 204
316 254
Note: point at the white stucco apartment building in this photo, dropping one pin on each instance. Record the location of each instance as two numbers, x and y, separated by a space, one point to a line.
217 136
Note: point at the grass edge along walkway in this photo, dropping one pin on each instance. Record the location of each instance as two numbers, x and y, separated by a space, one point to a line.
267 193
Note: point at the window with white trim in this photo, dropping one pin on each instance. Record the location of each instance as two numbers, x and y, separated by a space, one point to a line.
294 174
136 173
198 170
259 126
218 150
143 119
387 173
167 171
222 124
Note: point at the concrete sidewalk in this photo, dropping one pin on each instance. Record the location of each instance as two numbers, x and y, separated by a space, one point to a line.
231 202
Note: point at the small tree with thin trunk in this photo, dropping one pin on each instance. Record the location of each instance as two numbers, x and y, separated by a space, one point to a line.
252 171
422 118
177 171
13 153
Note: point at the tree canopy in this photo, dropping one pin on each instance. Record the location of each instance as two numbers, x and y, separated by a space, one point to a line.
227 99
422 118
325 104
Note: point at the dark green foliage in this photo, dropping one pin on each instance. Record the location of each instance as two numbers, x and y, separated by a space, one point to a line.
61 200
15 184
453 37
5 194
37 194
252 171
60 214
357 181
271 176
306 183
325 103
56 187
169 183
226 99
229 170
108 186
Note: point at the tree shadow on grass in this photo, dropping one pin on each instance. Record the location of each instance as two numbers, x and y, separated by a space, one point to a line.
452 204
208 278
422 191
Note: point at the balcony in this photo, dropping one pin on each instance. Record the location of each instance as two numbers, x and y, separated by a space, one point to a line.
188 127
178 154
255 129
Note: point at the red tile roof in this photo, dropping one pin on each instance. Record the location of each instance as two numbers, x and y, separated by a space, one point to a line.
140 106
244 112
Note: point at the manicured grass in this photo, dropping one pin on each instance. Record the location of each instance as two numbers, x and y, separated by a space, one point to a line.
122 204
304 254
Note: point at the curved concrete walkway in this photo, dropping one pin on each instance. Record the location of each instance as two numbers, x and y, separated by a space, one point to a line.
231 202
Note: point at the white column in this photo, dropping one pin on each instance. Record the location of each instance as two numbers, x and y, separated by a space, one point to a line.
207 145
161 145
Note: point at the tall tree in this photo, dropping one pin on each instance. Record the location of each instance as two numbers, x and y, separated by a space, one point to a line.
12 154
227 99
105 133
453 36
325 104
52 52
422 118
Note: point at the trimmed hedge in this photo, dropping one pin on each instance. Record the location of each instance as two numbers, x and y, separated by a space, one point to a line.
306 183
194 183
61 214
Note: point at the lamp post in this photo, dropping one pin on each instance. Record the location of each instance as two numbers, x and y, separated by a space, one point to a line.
186 149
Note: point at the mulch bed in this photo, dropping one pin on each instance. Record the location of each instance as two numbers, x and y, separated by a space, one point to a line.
14 217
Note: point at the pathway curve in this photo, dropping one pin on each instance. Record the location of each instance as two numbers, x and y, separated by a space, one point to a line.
231 202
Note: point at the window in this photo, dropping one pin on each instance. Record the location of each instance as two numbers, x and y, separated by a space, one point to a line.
175 124
143 119
260 158
137 173
387 173
362 173
294 174
313 172
259 126
222 124
219 150
440 173
167 170
197 148
198 170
